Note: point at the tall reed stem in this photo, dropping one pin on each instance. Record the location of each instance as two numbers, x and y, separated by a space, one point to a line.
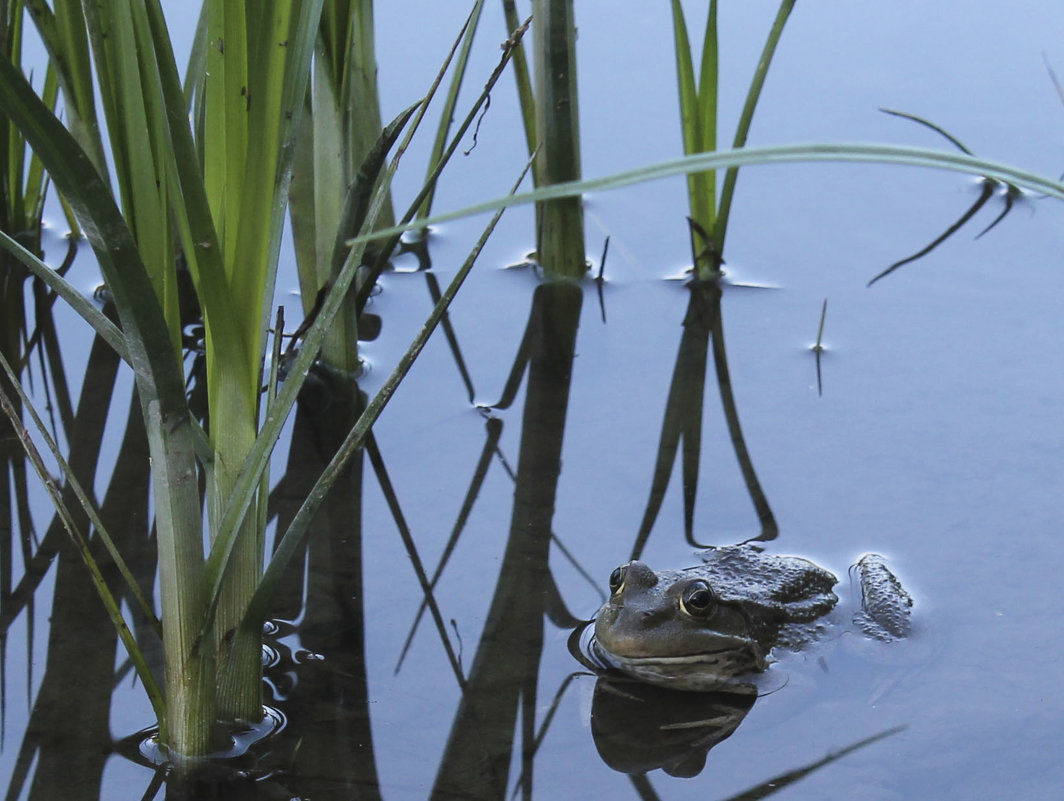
560 237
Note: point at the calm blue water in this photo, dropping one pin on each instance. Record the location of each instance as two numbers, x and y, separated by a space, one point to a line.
936 440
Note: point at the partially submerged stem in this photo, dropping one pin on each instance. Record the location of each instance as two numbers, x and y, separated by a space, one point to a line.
293 538
560 238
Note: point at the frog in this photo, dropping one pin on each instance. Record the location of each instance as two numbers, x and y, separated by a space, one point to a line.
713 626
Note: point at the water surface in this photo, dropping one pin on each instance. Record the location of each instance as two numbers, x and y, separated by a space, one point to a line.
934 438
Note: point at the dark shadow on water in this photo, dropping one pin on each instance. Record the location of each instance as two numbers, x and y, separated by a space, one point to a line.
784 780
493 432
503 678
319 678
639 727
67 739
702 329
326 750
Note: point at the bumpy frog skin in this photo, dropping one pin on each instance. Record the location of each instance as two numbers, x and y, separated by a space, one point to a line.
705 627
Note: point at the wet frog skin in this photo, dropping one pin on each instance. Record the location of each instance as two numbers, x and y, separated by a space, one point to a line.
705 627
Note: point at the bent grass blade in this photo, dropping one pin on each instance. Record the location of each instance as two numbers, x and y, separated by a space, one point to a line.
297 531
71 294
155 695
83 499
838 152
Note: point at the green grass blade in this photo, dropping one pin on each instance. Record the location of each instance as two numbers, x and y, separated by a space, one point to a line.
37 179
341 122
708 82
701 187
191 208
145 159
293 91
306 195
450 101
297 531
255 83
68 292
727 191
838 152
244 487
522 77
196 69
155 695
65 38
161 388
704 206
690 121
83 498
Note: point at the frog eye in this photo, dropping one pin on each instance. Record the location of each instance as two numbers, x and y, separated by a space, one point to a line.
617 578
697 599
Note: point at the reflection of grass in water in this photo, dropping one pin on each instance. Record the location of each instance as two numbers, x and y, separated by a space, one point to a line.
165 199
23 188
708 223
818 347
229 242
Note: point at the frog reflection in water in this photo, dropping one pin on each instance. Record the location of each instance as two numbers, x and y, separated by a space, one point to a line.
705 627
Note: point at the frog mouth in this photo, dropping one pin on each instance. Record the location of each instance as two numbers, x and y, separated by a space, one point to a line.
701 646
702 669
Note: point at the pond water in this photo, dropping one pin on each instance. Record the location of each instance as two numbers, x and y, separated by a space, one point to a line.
933 436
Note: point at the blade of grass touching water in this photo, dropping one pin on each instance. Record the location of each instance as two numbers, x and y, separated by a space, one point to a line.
560 221
155 695
258 457
509 47
83 499
840 152
161 391
294 536
1011 191
820 329
71 294
818 348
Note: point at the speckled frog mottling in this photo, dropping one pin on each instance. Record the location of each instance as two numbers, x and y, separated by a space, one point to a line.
703 627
